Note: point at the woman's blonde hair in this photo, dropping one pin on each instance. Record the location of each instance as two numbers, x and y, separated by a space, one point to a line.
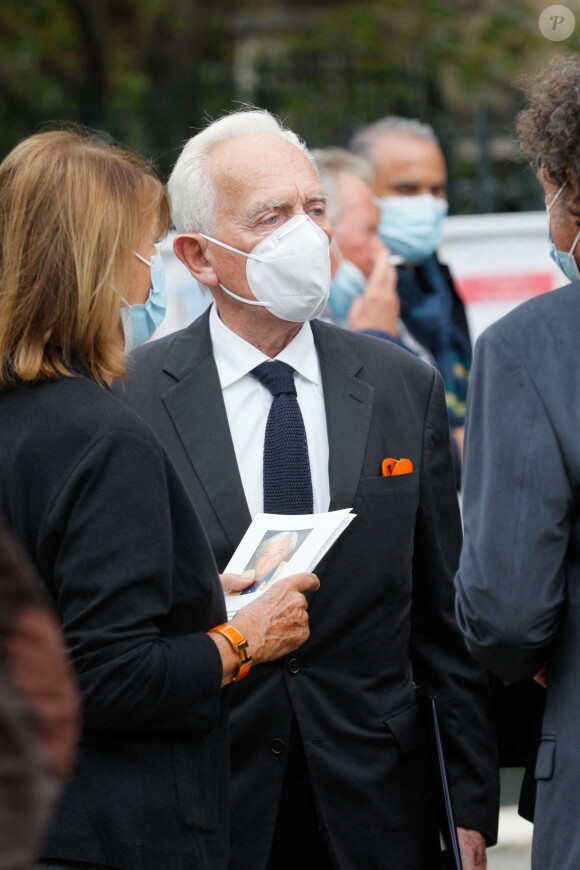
73 207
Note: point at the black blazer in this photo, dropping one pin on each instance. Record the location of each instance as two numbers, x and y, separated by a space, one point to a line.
382 618
89 493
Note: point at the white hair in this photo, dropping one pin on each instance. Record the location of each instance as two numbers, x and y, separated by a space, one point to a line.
331 164
191 187
282 536
364 139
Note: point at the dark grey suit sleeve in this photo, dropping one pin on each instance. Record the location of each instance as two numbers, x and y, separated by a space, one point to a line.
517 501
441 663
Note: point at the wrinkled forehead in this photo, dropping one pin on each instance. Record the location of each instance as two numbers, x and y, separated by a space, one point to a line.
250 169
409 153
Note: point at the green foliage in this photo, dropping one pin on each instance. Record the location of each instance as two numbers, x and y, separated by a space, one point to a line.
136 68
361 60
150 71
451 64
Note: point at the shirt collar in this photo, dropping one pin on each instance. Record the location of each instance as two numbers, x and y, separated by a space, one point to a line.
235 357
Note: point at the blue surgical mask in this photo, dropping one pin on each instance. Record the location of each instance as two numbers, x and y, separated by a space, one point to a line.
412 226
564 261
348 283
140 321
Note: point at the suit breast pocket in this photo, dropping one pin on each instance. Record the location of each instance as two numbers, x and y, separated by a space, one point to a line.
390 494
376 551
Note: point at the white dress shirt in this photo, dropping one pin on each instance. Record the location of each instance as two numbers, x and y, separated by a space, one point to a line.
248 403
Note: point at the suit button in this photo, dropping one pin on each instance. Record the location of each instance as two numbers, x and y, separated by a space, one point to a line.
294 666
277 746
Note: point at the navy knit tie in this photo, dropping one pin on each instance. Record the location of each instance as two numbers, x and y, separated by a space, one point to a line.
287 480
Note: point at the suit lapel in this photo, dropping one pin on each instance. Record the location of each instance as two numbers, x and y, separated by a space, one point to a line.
349 403
196 407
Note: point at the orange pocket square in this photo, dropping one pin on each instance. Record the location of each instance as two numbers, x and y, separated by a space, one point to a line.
394 466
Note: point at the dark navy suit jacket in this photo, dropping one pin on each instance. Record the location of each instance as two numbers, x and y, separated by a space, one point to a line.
382 619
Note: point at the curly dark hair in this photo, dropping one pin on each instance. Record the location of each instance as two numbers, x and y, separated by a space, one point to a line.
549 129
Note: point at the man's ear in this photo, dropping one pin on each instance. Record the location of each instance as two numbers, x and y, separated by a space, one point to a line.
190 249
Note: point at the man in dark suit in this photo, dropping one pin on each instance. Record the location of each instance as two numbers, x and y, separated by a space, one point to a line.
329 760
519 578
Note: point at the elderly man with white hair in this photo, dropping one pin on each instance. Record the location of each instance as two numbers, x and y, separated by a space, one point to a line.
265 408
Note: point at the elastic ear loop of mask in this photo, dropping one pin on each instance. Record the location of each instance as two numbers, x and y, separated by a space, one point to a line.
251 257
244 254
556 198
225 289
282 233
337 251
148 262
548 209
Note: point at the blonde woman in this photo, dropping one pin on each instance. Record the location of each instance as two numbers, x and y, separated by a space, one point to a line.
90 495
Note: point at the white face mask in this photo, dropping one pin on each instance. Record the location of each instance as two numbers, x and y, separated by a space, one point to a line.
288 272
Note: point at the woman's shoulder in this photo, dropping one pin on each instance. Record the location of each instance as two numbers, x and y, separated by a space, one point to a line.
69 415
70 438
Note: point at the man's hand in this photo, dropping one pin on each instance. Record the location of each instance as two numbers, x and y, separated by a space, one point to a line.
378 307
277 622
236 582
471 849
458 433
542 676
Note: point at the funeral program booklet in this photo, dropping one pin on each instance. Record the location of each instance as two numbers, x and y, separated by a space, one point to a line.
278 545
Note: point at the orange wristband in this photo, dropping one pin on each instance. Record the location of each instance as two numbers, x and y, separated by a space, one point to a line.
240 645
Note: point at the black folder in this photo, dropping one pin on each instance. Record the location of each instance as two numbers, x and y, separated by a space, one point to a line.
445 808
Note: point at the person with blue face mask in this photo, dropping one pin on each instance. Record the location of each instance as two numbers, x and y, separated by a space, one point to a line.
141 319
566 259
363 288
410 189
360 263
